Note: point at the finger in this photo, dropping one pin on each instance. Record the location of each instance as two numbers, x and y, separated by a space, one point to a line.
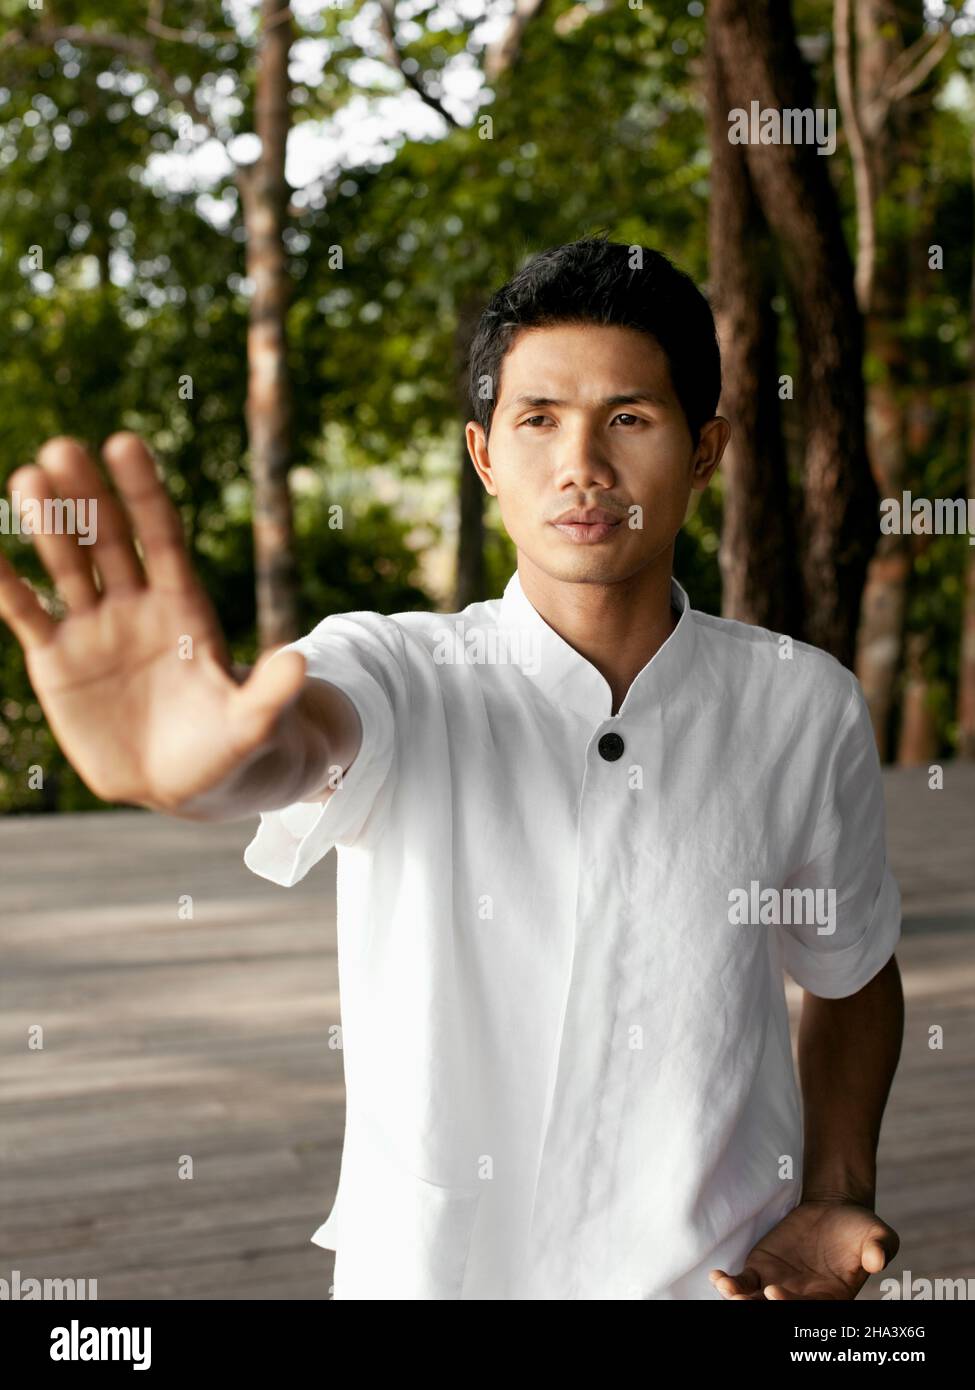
740 1285
59 551
878 1251
778 1293
277 679
113 554
21 610
746 1282
155 519
724 1283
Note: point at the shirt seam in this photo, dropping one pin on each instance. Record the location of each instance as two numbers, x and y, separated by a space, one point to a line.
830 778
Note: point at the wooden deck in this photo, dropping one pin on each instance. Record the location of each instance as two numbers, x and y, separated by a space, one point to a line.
208 1037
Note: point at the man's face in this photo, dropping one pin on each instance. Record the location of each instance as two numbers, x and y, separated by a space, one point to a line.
586 418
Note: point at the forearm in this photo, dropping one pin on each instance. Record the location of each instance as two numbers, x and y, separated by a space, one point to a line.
293 764
848 1053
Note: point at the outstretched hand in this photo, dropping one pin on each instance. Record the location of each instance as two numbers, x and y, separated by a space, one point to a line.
135 679
820 1250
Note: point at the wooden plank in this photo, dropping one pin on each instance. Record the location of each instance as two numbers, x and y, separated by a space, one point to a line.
210 1037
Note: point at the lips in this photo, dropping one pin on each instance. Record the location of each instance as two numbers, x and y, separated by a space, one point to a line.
585 527
594 516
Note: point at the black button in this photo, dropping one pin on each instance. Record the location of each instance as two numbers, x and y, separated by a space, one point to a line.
610 747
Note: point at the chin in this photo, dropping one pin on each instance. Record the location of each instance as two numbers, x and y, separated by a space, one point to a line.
587 569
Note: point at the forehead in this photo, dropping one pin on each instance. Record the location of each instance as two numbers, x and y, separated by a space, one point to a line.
569 361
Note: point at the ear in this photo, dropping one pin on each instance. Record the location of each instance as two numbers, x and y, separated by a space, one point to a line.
477 447
713 441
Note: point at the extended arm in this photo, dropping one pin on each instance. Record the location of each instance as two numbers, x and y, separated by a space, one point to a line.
136 679
317 737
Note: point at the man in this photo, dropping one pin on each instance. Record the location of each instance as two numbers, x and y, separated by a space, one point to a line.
582 830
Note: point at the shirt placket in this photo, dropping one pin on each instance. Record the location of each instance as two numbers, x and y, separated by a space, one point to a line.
570 1225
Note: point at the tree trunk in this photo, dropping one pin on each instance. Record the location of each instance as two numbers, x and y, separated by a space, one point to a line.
918 743
966 665
881 635
760 61
760 575
264 196
883 278
966 673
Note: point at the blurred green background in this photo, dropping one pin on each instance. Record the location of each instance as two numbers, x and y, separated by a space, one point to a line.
600 124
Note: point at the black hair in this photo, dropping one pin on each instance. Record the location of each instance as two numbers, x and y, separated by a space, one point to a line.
595 280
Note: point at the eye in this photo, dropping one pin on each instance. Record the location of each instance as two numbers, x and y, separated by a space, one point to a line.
625 416
530 418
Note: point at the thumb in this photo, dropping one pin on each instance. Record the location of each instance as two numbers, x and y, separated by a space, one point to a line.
275 681
879 1248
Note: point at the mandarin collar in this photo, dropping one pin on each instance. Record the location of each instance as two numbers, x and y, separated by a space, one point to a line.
568 679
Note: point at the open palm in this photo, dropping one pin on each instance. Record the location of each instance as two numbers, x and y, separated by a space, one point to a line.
136 680
820 1250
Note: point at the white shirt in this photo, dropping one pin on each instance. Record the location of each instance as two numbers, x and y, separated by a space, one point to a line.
567 1058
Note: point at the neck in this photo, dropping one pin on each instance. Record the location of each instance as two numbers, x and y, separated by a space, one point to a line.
618 627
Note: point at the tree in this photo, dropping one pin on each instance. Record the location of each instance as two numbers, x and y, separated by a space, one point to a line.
966 673
264 195
158 50
759 570
760 61
872 87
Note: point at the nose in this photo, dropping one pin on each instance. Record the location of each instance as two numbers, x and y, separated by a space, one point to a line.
582 458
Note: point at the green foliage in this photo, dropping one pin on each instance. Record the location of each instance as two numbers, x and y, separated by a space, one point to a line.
600 124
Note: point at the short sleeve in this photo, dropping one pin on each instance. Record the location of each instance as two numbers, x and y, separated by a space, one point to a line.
846 867
353 652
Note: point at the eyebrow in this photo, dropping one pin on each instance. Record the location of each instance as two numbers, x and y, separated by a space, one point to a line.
623 398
